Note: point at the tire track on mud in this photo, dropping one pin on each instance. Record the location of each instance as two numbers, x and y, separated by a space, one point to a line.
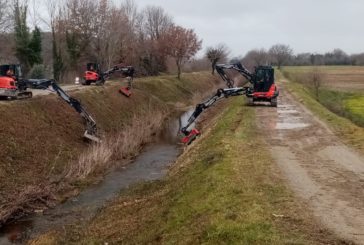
326 174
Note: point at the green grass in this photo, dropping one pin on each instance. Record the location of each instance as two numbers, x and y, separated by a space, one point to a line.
348 105
222 191
355 107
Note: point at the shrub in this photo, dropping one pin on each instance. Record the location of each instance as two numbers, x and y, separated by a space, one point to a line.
37 72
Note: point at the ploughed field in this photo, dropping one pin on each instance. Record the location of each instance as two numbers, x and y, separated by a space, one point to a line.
342 78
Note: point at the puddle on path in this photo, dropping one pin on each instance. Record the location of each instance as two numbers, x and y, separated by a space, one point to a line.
288 118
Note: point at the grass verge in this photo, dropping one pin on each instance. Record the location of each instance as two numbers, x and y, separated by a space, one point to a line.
341 102
223 190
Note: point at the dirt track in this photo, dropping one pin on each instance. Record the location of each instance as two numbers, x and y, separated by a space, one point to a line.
327 175
38 92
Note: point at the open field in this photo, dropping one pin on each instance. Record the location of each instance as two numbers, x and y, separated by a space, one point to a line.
344 78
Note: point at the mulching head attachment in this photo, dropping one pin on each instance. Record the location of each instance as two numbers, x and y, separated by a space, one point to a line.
125 91
190 136
91 137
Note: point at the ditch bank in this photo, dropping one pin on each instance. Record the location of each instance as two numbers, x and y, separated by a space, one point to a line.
151 164
43 158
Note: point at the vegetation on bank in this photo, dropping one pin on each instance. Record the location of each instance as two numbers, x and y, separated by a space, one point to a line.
223 190
41 138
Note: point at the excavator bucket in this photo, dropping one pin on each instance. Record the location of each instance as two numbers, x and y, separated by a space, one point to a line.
91 137
125 91
190 137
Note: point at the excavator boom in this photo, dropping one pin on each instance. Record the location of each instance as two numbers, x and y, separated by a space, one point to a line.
91 129
191 135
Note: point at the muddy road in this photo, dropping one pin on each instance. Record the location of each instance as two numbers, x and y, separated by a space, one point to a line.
324 173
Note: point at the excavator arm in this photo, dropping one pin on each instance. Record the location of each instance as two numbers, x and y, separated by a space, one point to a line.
190 135
220 68
91 129
127 71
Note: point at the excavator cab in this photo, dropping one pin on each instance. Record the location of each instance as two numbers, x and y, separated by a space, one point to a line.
92 74
264 78
264 88
12 70
10 82
94 67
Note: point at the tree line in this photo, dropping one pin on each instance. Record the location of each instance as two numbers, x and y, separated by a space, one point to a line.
82 31
76 32
281 54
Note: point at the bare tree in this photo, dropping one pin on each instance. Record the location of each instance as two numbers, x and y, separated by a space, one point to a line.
315 79
4 15
280 54
181 44
156 22
216 54
255 58
357 59
79 17
116 41
130 10
5 25
102 41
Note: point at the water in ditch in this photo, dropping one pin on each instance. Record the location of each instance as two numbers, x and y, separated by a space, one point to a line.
151 164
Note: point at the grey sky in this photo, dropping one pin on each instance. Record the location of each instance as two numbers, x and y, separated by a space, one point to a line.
306 25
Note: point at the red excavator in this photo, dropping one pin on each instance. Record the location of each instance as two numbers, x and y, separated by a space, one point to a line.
189 135
10 75
262 89
93 74
13 86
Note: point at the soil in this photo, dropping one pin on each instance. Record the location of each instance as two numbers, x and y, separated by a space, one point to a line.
326 175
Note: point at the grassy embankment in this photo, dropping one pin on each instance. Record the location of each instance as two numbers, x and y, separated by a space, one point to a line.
42 150
340 109
223 190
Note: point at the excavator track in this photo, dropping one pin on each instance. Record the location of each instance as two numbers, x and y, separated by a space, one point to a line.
24 95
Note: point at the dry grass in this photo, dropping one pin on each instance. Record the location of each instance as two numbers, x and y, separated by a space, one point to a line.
41 139
343 78
122 145
31 198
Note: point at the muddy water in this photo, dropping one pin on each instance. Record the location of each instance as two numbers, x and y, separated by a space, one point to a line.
151 164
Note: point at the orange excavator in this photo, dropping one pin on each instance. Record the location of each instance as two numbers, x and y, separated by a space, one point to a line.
93 74
13 86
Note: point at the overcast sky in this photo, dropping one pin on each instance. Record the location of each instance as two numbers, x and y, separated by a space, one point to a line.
306 25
